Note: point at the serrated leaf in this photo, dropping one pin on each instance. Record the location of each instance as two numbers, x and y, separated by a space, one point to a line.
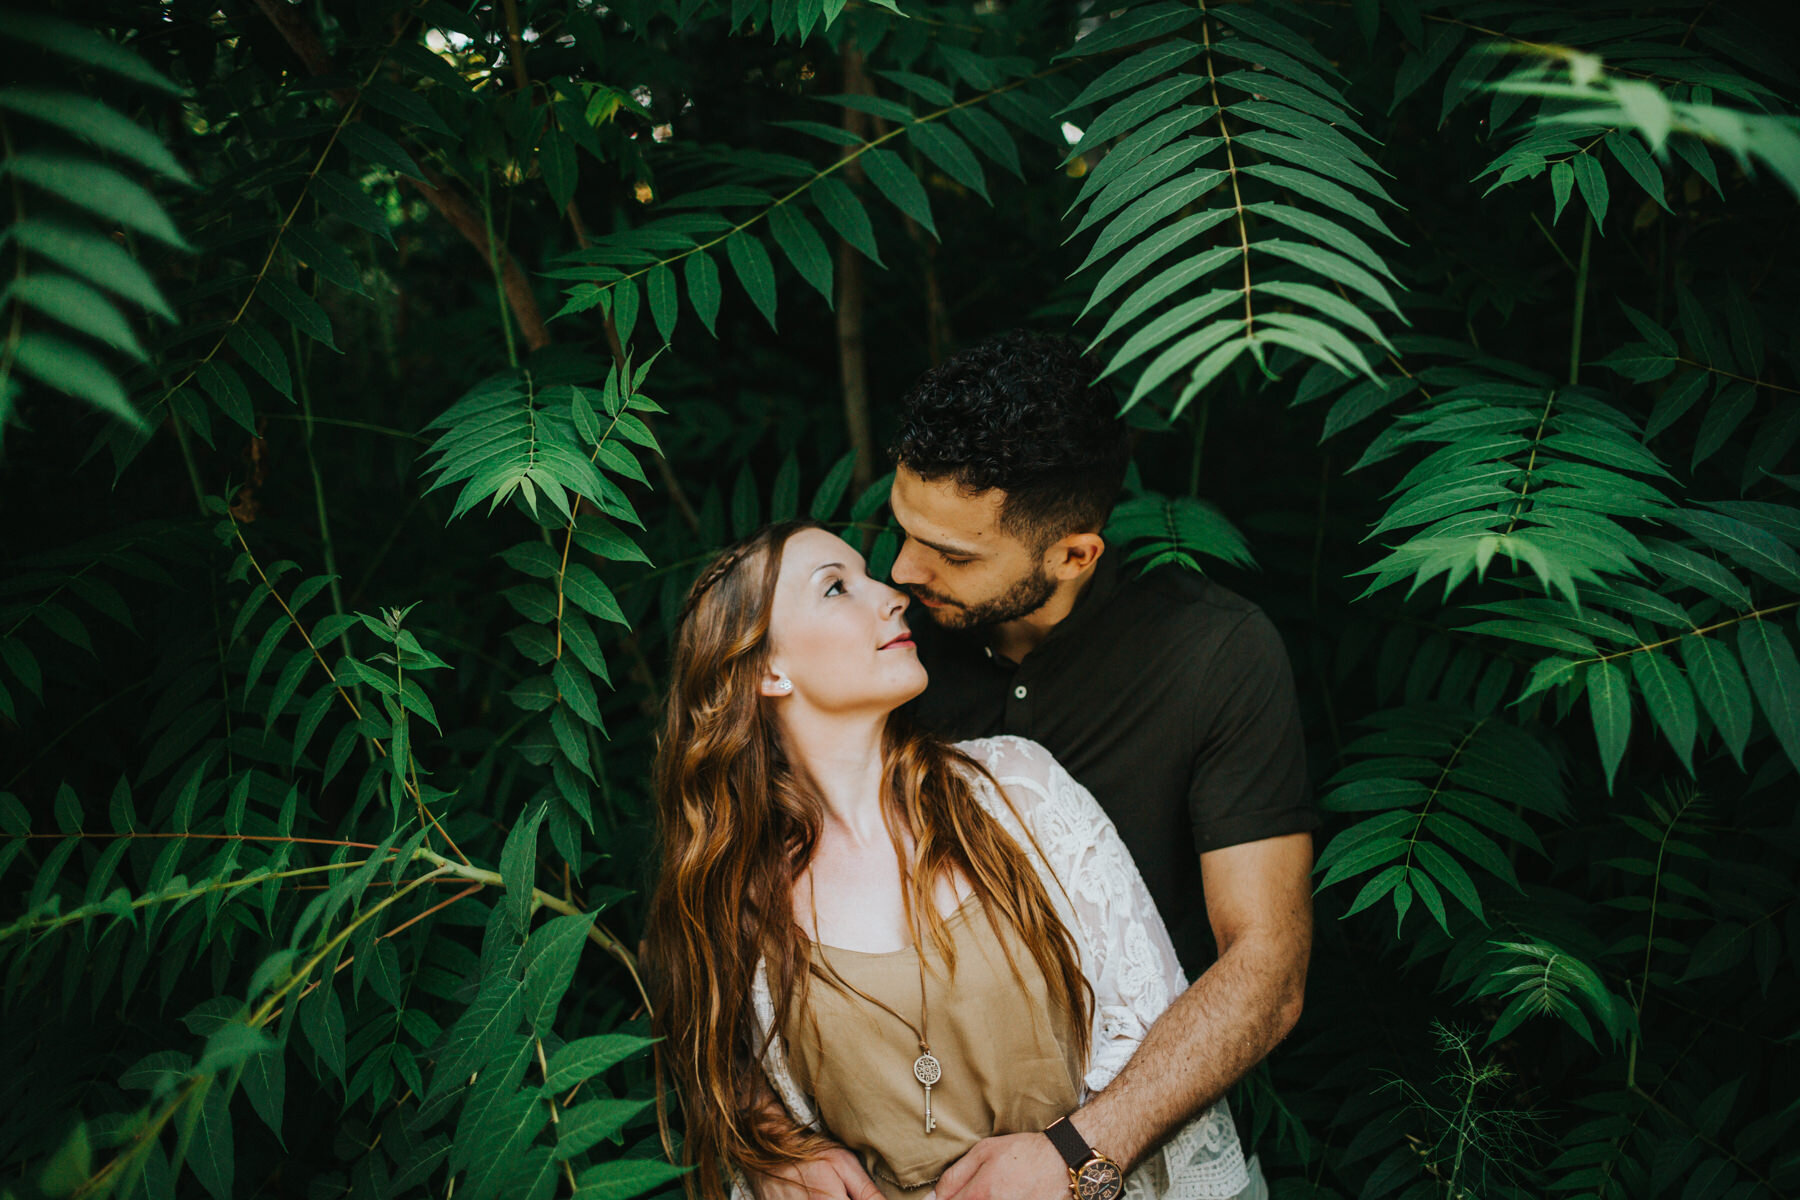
1670 701
803 247
1609 699
1774 674
895 180
586 1057
98 189
755 272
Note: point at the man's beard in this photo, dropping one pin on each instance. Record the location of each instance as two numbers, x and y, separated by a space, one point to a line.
1022 599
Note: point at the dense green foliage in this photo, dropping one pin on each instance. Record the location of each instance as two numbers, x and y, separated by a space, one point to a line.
1461 336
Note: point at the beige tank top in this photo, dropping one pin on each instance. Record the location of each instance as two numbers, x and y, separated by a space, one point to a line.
1009 1062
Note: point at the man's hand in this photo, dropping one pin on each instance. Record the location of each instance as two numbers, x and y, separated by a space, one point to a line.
836 1174
1018 1166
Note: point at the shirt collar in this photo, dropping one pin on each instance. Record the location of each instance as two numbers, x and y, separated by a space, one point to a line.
1094 598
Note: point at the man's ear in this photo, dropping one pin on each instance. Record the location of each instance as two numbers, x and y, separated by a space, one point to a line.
1073 554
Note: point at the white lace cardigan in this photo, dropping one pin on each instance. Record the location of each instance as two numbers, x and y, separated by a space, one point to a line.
1125 954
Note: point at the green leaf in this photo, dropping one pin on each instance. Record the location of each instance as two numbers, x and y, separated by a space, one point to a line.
1139 69
1609 698
325 257
79 306
665 309
1562 182
891 176
1591 179
94 122
557 161
368 142
751 262
551 956
831 490
518 867
500 1142
95 258
1332 266
85 46
1670 701
1320 191
484 1027
259 349
623 1179
99 189
405 104
1747 544
1147 252
297 308
845 213
585 1125
1146 211
937 143
1720 685
211 1152
1774 674
1630 154
784 499
803 247
701 274
1132 26
68 368
584 1058
345 199
1450 875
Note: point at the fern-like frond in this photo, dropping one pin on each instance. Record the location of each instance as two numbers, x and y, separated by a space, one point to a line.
1234 126
1176 529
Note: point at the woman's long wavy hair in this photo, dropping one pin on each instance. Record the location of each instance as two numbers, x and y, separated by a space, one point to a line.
738 825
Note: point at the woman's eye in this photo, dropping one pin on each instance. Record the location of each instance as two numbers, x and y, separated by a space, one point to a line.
836 588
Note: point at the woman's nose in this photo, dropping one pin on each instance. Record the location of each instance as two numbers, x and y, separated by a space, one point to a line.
897 600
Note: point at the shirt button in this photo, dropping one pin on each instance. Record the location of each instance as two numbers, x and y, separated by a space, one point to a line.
1019 692
988 650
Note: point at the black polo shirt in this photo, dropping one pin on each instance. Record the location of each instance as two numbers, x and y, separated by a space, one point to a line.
1168 697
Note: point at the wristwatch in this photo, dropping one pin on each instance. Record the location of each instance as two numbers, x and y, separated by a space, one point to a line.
1092 1175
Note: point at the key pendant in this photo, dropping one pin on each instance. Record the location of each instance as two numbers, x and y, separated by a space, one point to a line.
928 1071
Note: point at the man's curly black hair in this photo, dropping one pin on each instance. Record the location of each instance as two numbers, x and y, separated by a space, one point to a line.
1020 412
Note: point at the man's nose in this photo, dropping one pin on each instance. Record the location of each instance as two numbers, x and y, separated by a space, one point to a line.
906 565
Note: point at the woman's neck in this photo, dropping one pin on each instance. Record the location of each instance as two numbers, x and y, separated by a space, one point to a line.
841 754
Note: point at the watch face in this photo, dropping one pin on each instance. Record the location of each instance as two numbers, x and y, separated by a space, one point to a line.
1099 1179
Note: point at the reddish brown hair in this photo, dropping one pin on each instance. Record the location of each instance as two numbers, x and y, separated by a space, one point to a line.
738 825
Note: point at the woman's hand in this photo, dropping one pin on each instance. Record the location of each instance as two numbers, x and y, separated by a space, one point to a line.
836 1174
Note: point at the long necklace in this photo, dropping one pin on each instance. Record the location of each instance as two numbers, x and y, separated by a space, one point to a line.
926 1068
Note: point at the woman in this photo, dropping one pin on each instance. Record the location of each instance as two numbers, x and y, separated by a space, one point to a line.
909 945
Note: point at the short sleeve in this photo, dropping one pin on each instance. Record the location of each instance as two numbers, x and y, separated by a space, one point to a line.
1249 777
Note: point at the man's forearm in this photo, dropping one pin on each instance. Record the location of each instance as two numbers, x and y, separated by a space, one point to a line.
1207 1040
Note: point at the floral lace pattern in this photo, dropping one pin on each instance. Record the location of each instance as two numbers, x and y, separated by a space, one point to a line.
1125 954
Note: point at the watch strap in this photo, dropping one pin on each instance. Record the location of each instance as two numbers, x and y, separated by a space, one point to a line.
1069 1143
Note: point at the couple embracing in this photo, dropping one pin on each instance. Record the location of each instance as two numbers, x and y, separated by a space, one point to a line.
892 965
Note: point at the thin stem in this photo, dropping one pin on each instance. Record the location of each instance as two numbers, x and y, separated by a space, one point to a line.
328 548
1755 615
1581 281
1761 383
493 247
1237 199
1537 439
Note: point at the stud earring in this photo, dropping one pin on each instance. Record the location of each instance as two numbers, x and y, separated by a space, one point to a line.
784 685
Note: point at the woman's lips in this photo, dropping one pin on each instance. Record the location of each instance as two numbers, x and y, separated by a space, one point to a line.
904 640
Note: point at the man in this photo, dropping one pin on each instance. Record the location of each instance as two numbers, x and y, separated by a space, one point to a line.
1168 697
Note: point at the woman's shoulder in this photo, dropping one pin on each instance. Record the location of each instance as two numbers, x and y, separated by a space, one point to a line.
1010 755
1030 776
